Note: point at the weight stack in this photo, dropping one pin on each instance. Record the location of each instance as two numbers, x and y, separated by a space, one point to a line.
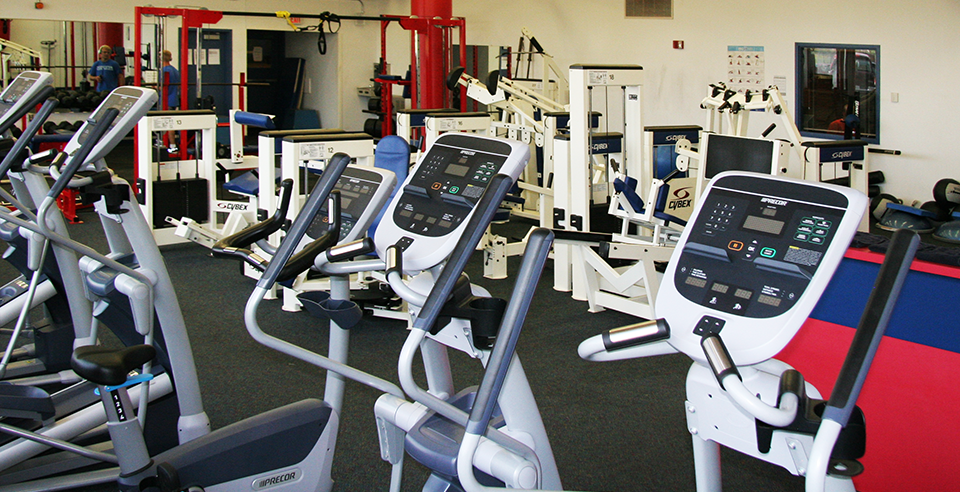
180 198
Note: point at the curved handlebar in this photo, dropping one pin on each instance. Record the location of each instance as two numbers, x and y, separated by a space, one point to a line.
32 128
727 374
335 167
76 160
870 330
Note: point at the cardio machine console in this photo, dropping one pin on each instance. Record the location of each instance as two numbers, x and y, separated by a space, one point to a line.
754 260
21 90
428 216
363 192
132 102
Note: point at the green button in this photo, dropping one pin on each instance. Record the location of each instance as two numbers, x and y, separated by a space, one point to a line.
768 252
454 190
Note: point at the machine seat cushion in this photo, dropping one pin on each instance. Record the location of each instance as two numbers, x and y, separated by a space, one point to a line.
628 188
108 366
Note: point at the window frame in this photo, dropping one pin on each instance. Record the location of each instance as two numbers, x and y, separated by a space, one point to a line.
800 109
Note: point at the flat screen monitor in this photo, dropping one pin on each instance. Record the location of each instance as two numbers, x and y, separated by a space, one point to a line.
732 153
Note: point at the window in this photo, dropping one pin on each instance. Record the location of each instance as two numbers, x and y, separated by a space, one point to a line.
650 8
838 91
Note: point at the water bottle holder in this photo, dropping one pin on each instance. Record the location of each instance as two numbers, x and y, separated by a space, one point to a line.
345 313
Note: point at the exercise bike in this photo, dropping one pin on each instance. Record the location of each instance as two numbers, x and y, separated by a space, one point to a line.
428 233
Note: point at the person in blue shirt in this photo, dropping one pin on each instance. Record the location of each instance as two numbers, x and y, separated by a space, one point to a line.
171 81
106 72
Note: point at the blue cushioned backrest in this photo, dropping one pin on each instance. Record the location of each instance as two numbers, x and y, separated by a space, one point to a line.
392 154
254 119
629 190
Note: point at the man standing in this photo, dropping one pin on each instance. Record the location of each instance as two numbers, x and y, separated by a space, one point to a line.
106 72
171 80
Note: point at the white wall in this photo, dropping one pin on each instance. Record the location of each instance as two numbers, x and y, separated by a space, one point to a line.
919 42
919 59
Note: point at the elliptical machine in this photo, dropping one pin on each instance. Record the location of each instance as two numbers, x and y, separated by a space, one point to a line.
245 453
749 268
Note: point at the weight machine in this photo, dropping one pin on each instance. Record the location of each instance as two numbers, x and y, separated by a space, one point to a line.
553 80
586 165
161 190
29 59
725 105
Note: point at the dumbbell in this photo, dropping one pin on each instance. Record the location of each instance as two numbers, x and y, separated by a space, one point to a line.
947 193
941 213
49 128
878 204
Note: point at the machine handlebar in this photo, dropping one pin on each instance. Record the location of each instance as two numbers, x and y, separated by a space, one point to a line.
534 256
306 257
227 246
335 167
99 130
873 324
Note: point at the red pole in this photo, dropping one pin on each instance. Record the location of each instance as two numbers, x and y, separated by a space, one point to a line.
243 83
137 21
431 48
110 34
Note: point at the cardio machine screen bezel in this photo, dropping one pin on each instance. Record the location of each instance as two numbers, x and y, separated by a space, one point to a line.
723 242
17 89
122 99
749 339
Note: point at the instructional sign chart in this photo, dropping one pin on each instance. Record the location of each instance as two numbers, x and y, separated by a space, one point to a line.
745 68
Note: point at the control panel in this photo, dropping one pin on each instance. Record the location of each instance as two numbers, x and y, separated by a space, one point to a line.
132 102
754 260
21 90
363 193
429 214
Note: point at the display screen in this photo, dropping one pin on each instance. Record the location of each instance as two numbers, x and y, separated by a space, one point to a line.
117 99
768 300
18 88
696 282
763 224
742 293
730 153
457 170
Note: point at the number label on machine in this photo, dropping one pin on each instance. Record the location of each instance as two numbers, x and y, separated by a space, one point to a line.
754 260
439 196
